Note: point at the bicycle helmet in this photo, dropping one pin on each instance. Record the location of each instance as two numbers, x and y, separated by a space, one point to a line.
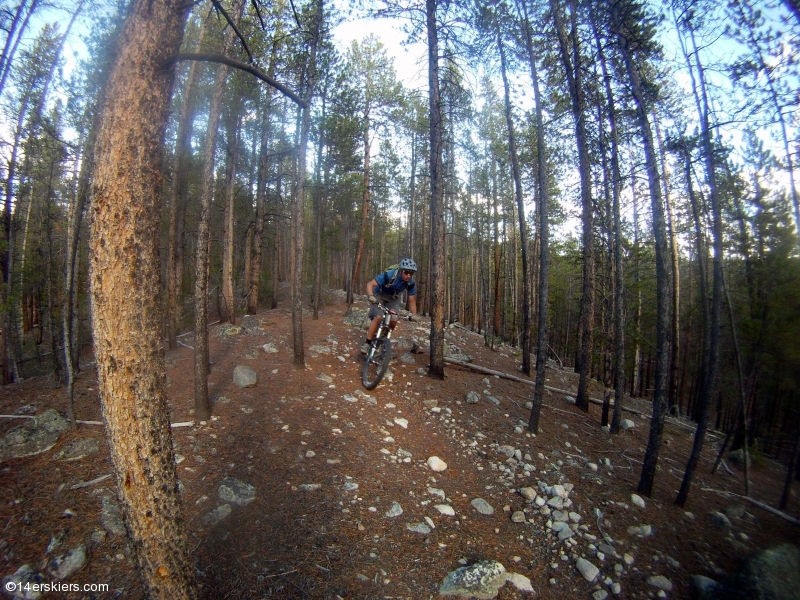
408 265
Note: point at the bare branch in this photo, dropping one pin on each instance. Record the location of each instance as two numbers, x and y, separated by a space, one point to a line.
238 33
230 62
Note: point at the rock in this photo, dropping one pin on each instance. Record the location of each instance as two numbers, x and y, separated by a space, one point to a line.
660 582
703 586
111 516
518 517
569 399
556 502
587 569
637 500
270 348
309 487
507 451
492 400
251 322
229 330
418 528
768 574
482 506
395 511
737 458
36 436
325 378
640 530
445 509
528 493
437 492
319 349
357 317
436 464
66 565
719 520
734 511
401 422
522 583
481 580
235 491
78 449
14 585
244 377
218 514
430 403
627 424
473 398
599 595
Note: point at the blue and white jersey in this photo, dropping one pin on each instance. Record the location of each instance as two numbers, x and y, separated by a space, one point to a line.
397 287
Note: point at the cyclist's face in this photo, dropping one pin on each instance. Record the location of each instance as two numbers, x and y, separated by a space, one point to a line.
407 275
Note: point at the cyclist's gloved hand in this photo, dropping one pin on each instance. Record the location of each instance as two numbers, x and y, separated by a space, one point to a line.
372 299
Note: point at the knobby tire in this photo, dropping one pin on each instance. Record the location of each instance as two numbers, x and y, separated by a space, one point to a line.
376 363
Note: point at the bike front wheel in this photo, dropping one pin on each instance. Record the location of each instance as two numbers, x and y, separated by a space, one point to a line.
376 363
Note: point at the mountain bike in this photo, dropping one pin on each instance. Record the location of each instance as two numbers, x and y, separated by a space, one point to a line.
380 352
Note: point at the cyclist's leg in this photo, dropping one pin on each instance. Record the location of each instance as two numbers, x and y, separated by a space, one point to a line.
393 304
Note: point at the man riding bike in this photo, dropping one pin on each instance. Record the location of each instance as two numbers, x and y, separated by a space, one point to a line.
386 289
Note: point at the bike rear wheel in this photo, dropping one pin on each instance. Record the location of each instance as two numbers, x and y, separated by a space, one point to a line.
376 363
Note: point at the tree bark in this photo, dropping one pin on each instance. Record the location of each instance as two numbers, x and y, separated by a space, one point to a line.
572 68
125 288
662 274
229 300
523 231
437 257
177 197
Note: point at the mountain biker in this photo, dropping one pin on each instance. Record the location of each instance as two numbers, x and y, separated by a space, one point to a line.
386 288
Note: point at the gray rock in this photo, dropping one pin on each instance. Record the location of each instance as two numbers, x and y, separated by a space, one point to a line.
66 565
507 451
357 317
627 424
556 502
244 377
218 514
565 533
309 487
492 400
482 506
319 349
771 574
528 493
325 378
111 516
418 528
406 358
481 580
235 491
270 348
587 569
660 582
473 398
251 322
78 449
518 517
522 583
637 501
395 511
719 520
599 595
569 399
734 511
14 585
34 437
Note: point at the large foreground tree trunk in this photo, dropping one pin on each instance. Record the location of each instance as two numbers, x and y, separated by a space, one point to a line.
126 295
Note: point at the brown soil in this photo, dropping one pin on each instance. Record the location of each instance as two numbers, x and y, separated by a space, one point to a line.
290 543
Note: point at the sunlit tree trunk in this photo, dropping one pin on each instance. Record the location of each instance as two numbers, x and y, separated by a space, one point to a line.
127 309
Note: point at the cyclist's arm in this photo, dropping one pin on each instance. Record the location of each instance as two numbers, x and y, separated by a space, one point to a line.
371 287
412 304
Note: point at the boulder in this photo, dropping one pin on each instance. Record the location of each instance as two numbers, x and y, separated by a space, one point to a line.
244 377
481 580
771 574
33 437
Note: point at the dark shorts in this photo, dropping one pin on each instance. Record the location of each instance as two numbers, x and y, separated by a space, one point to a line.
389 302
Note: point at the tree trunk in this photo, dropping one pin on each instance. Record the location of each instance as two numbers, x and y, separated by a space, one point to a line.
202 364
572 68
523 232
229 300
544 235
362 238
127 309
177 197
662 277
437 198
299 192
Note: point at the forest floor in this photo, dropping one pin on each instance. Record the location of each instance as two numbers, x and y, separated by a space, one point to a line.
363 453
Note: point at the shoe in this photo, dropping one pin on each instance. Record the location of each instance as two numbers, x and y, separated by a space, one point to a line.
364 348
